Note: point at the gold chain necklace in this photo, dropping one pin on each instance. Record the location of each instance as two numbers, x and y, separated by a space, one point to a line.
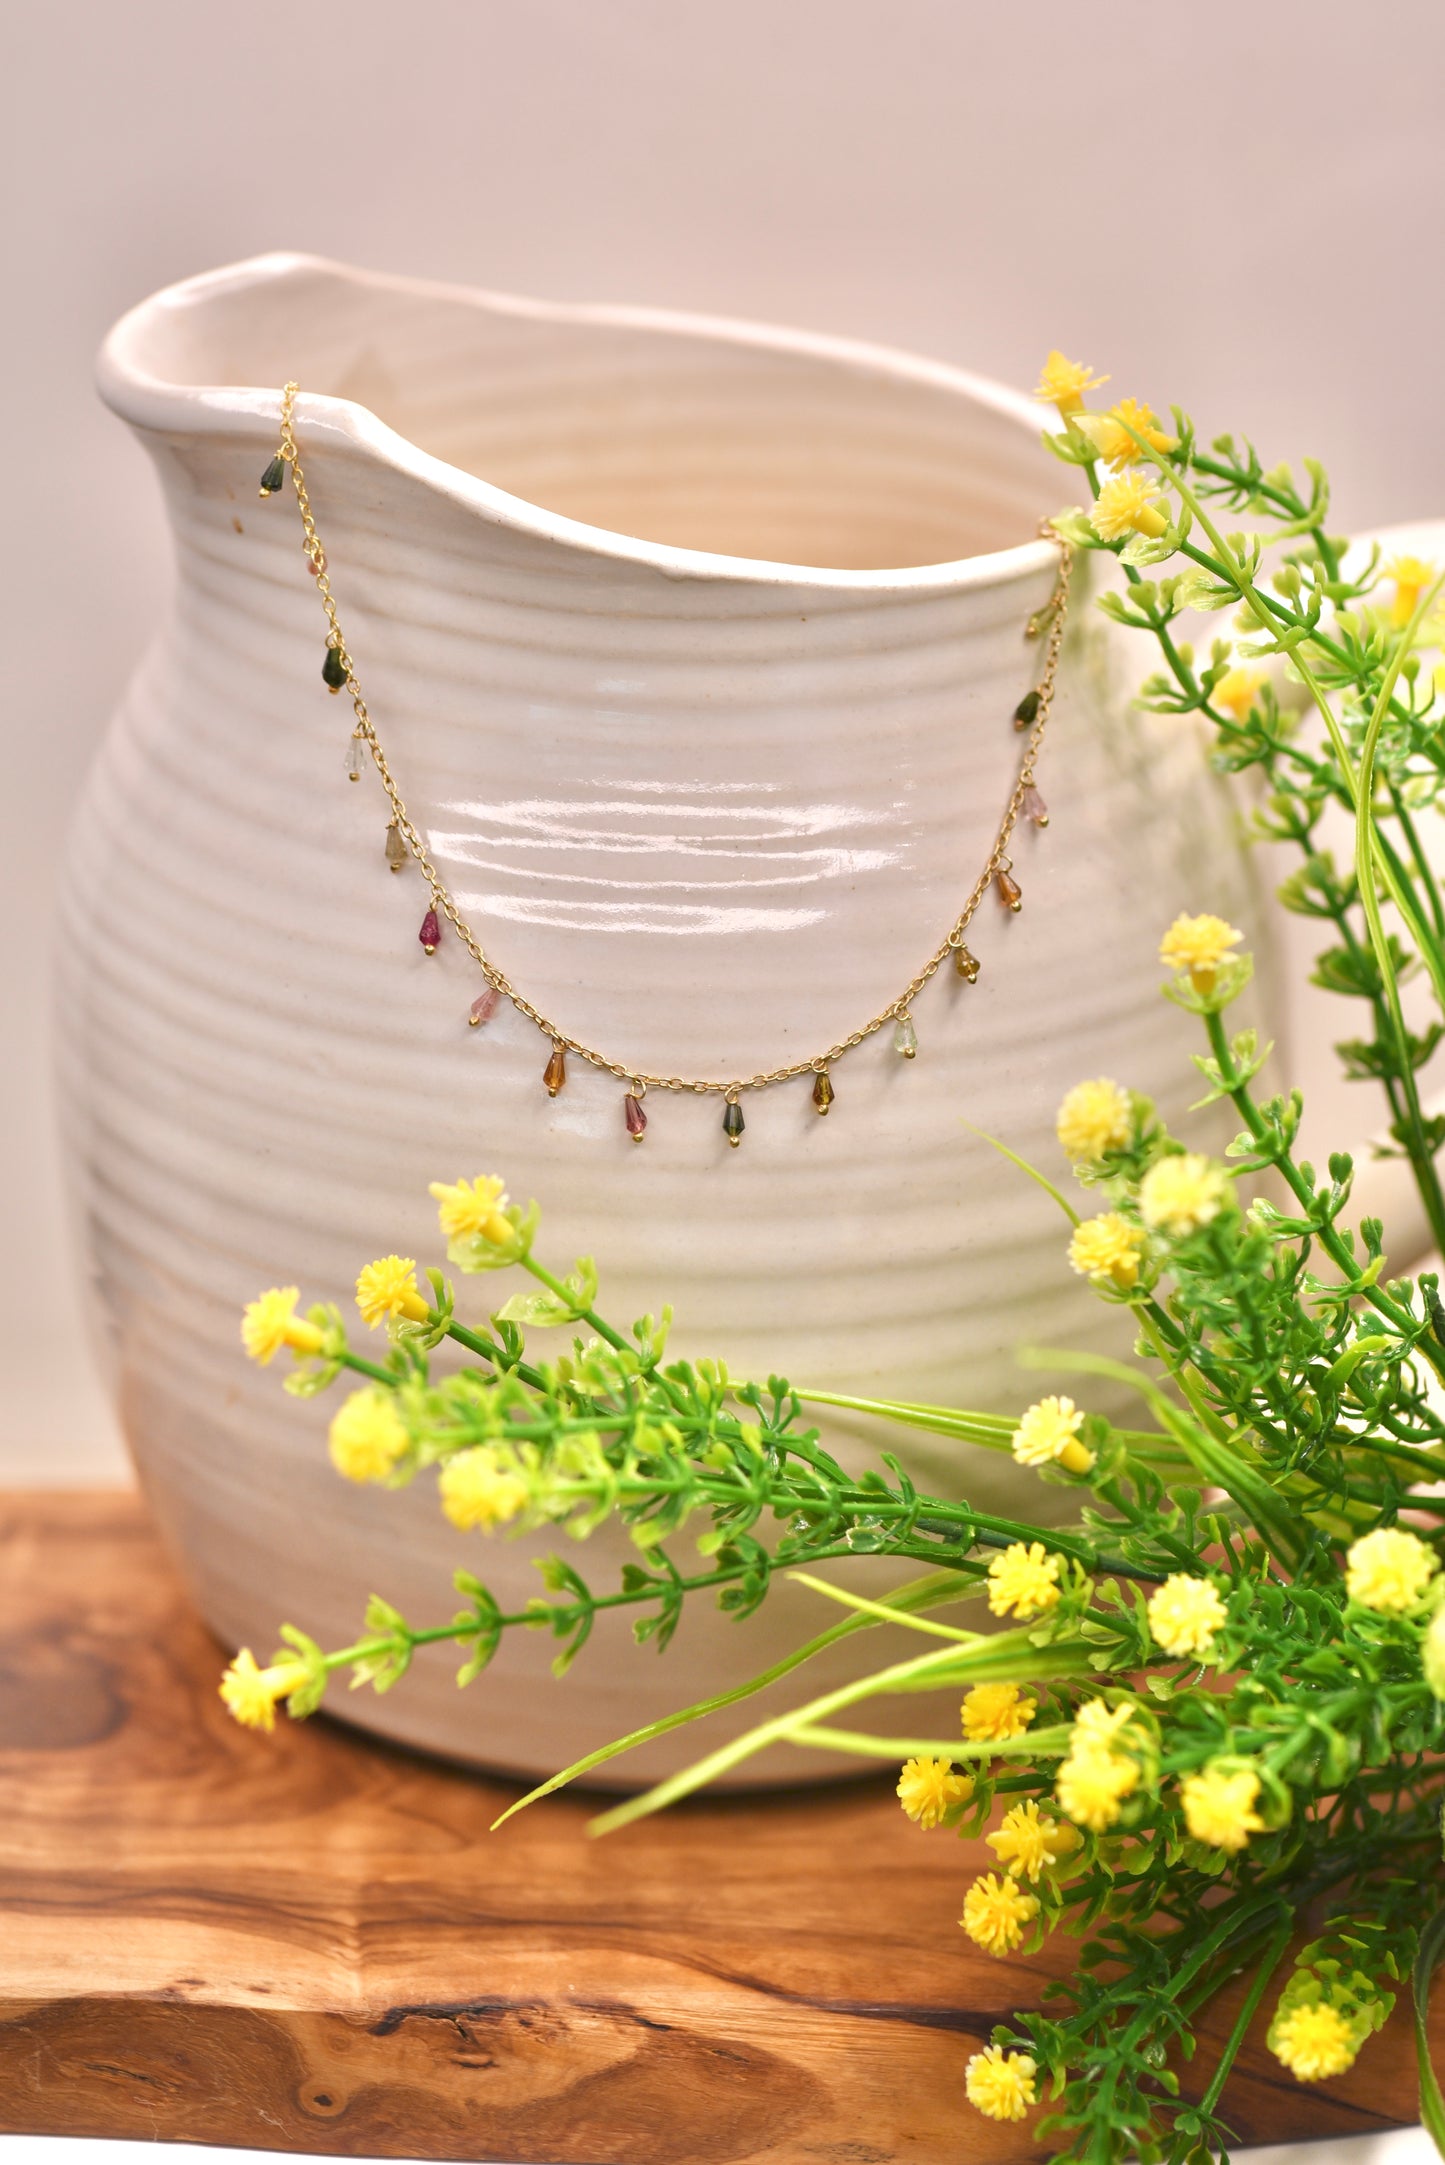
402 841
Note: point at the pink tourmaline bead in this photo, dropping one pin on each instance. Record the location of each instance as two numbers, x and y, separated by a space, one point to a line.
635 1117
1032 806
430 934
484 1006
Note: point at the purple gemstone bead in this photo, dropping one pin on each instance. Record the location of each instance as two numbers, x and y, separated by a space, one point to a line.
635 1117
430 934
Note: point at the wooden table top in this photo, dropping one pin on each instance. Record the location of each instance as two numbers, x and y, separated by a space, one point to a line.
312 1942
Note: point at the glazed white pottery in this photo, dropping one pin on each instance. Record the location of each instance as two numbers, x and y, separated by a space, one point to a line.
694 647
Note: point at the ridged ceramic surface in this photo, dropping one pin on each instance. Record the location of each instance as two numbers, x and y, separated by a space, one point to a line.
707 808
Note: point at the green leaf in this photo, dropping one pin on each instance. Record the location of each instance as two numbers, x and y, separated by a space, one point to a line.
1432 2104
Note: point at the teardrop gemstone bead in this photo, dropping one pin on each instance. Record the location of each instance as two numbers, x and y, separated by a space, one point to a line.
274 476
356 757
635 1117
733 1122
333 670
823 1092
1026 713
396 850
554 1075
483 1007
430 934
1032 806
1010 894
967 965
905 1038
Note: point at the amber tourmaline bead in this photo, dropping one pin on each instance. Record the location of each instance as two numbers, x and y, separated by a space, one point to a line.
274 476
733 1122
823 1090
1026 713
635 1117
430 934
333 670
554 1074
967 965
1010 894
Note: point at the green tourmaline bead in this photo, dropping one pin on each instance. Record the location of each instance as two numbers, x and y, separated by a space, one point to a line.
274 476
333 670
733 1122
823 1092
1026 713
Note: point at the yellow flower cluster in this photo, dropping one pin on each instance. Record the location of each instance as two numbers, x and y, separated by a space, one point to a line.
1182 1192
473 1206
480 1489
1063 383
992 1713
1096 1776
1027 1845
1411 575
250 1694
1389 1569
1219 1807
1184 1615
996 1913
1095 1118
928 1789
270 1322
1110 433
388 1288
1237 689
367 1439
1048 1433
1198 945
1108 1247
1023 1578
1000 2084
1314 2042
1126 504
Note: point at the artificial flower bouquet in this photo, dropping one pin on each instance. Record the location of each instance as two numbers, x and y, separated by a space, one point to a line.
1208 1709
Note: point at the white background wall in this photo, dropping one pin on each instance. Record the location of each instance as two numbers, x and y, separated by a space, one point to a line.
1238 207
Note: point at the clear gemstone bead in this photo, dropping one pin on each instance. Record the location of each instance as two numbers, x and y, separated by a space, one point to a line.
1032 806
356 757
905 1038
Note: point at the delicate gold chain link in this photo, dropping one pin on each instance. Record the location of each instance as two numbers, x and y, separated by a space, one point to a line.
1053 614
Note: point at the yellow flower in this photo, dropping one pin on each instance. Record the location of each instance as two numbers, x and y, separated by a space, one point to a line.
1062 383
270 1322
1389 1569
1095 1118
992 1713
1184 1614
995 1912
1219 1807
1432 1655
1000 2084
1048 1432
928 1789
479 1488
1022 1578
1097 1726
1198 945
1180 1193
475 1206
387 1287
1411 575
1109 432
1107 1247
1314 2042
250 1694
1092 1785
1027 1845
367 1437
1236 690
1127 505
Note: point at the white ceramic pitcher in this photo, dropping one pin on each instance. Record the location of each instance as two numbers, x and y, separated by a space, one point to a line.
694 647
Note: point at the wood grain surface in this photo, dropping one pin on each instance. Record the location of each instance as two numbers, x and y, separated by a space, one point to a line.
311 1942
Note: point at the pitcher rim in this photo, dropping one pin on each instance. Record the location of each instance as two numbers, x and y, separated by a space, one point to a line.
151 402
